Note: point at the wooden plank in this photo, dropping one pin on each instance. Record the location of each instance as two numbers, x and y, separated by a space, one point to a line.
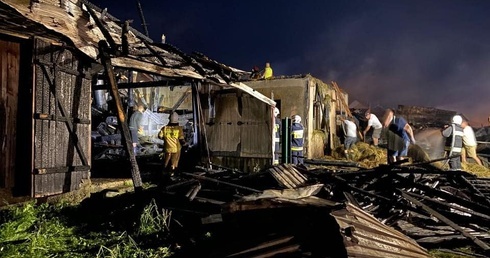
342 99
52 117
450 223
121 115
53 170
142 66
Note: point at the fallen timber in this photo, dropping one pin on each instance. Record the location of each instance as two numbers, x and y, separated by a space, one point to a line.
294 211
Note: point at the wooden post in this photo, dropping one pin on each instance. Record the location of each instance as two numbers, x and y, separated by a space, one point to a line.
121 115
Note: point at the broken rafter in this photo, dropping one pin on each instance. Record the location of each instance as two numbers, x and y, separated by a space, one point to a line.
103 29
121 114
222 182
133 85
155 53
137 65
189 60
450 223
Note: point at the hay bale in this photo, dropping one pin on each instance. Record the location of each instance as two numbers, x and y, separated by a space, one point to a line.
317 145
475 169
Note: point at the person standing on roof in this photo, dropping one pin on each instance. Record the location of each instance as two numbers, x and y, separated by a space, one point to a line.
268 73
399 136
297 140
373 122
454 141
173 136
277 136
469 144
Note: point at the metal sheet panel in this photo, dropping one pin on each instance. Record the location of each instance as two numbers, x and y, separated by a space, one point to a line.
241 127
365 236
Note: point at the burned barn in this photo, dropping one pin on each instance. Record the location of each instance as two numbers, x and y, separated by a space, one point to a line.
70 74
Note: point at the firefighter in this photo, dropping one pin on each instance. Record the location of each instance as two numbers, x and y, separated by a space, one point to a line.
173 136
277 136
454 141
297 140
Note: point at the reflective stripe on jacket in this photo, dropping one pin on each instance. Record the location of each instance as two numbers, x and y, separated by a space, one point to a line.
171 135
454 144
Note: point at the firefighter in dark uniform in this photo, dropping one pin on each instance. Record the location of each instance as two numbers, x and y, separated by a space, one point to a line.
277 136
454 141
297 140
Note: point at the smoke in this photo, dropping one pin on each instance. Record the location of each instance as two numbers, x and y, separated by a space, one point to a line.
432 142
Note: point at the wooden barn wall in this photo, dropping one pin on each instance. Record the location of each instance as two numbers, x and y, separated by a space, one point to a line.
9 86
62 99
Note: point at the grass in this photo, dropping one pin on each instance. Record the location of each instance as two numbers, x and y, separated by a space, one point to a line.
44 230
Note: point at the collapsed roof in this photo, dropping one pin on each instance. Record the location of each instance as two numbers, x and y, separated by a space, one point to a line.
86 26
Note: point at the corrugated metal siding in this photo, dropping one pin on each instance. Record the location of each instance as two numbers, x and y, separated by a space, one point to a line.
54 147
224 135
256 130
365 236
241 127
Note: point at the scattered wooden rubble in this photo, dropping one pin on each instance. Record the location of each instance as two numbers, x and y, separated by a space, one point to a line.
299 211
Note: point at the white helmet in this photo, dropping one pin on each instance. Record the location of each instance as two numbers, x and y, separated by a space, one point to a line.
174 118
457 119
296 119
276 111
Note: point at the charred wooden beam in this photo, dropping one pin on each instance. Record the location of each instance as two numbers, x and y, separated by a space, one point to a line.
189 60
61 119
132 85
356 189
339 163
481 216
103 29
154 68
155 53
477 192
479 207
121 114
63 69
124 38
42 171
221 182
447 221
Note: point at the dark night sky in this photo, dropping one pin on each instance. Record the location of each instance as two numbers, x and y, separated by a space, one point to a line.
433 53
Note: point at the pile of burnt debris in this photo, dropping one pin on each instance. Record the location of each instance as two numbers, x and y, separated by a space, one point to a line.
311 211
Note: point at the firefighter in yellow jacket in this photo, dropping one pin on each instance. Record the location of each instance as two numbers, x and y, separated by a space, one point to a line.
173 136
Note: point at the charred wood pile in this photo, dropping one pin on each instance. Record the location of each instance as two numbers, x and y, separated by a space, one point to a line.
296 211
